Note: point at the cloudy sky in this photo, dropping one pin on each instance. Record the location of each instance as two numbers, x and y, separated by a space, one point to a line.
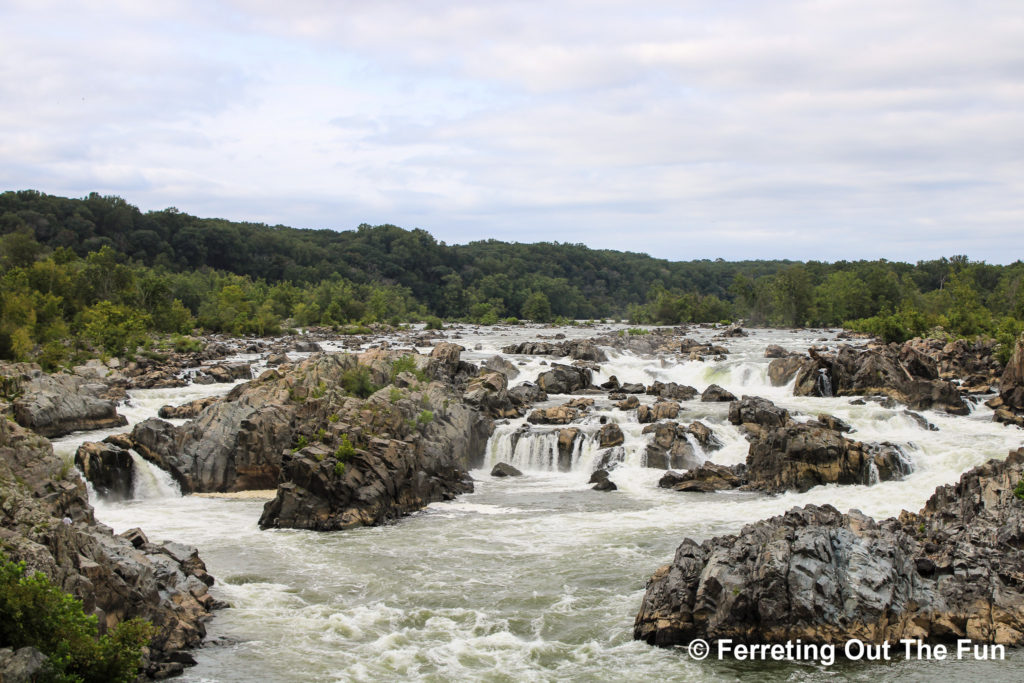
828 129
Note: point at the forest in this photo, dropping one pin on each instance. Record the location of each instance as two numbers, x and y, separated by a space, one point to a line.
81 275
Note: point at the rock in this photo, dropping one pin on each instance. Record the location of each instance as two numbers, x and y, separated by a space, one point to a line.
612 384
24 665
306 346
584 349
556 415
706 478
679 392
775 351
503 469
948 572
733 331
114 579
381 483
920 421
610 435
756 411
632 388
227 373
275 359
566 447
670 448
628 403
798 457
58 404
834 423
187 411
662 410
716 394
499 364
108 468
489 392
783 369
1011 384
564 379
601 482
527 393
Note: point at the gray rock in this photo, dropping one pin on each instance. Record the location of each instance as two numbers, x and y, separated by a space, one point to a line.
716 394
503 469
108 468
58 404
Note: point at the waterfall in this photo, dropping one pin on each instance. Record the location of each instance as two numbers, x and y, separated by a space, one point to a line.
823 385
152 482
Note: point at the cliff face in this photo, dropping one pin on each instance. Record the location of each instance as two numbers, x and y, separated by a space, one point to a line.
954 570
47 522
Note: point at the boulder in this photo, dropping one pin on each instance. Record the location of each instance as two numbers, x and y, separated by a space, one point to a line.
601 482
556 415
1011 384
499 364
58 404
227 372
564 379
670 448
527 393
187 411
109 468
275 359
949 572
756 411
610 435
567 439
632 388
775 351
678 392
628 403
716 394
704 479
489 392
503 469
662 410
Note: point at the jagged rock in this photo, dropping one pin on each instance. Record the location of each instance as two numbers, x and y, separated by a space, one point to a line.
632 388
187 411
584 349
25 665
754 410
951 571
696 350
716 394
612 384
679 392
783 369
383 482
556 415
228 372
58 404
662 410
527 393
47 522
798 457
628 403
489 392
1011 384
108 468
920 421
566 447
775 351
564 379
611 435
275 359
704 436
733 331
499 364
834 423
306 346
601 482
577 349
503 469
670 448
706 478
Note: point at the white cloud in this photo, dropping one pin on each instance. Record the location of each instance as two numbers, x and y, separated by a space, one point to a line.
806 129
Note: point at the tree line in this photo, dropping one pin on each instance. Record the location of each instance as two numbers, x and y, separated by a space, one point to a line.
98 272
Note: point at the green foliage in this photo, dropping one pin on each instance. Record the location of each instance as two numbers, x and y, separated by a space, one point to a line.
894 327
356 381
406 363
114 327
35 613
184 344
320 434
537 308
433 323
345 449
339 469
301 442
395 395
425 417
1018 490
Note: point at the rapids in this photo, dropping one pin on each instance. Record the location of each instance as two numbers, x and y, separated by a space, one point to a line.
531 578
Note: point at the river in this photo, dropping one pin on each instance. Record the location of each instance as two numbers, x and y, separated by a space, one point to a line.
536 578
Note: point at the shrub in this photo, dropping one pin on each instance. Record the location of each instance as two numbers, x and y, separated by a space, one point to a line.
300 443
425 417
433 323
339 469
1018 490
345 450
357 382
186 344
35 613
406 363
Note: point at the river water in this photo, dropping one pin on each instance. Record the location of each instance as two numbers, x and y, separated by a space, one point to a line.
536 578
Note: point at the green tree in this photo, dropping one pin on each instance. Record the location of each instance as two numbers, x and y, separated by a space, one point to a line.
537 308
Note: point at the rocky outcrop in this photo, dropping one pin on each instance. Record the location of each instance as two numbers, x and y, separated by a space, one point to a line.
662 410
564 379
1011 384
610 435
374 485
577 349
601 482
671 446
555 415
224 373
951 571
489 392
706 478
671 390
108 468
58 404
754 412
499 364
47 522
902 373
187 411
798 457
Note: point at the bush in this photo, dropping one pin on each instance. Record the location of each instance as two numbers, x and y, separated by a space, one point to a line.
357 382
406 363
425 417
186 344
35 613
339 469
433 323
345 450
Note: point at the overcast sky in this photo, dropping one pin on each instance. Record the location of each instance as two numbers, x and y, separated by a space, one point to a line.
834 129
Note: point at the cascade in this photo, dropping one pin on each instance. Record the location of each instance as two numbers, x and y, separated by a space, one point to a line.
152 482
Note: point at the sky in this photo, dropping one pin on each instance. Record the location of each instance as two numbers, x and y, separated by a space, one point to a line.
825 130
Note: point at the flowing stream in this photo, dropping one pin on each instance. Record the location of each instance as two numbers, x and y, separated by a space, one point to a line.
535 578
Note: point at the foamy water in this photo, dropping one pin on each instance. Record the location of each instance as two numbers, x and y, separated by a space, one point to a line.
532 578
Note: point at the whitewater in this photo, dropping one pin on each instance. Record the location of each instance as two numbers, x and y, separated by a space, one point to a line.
535 578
